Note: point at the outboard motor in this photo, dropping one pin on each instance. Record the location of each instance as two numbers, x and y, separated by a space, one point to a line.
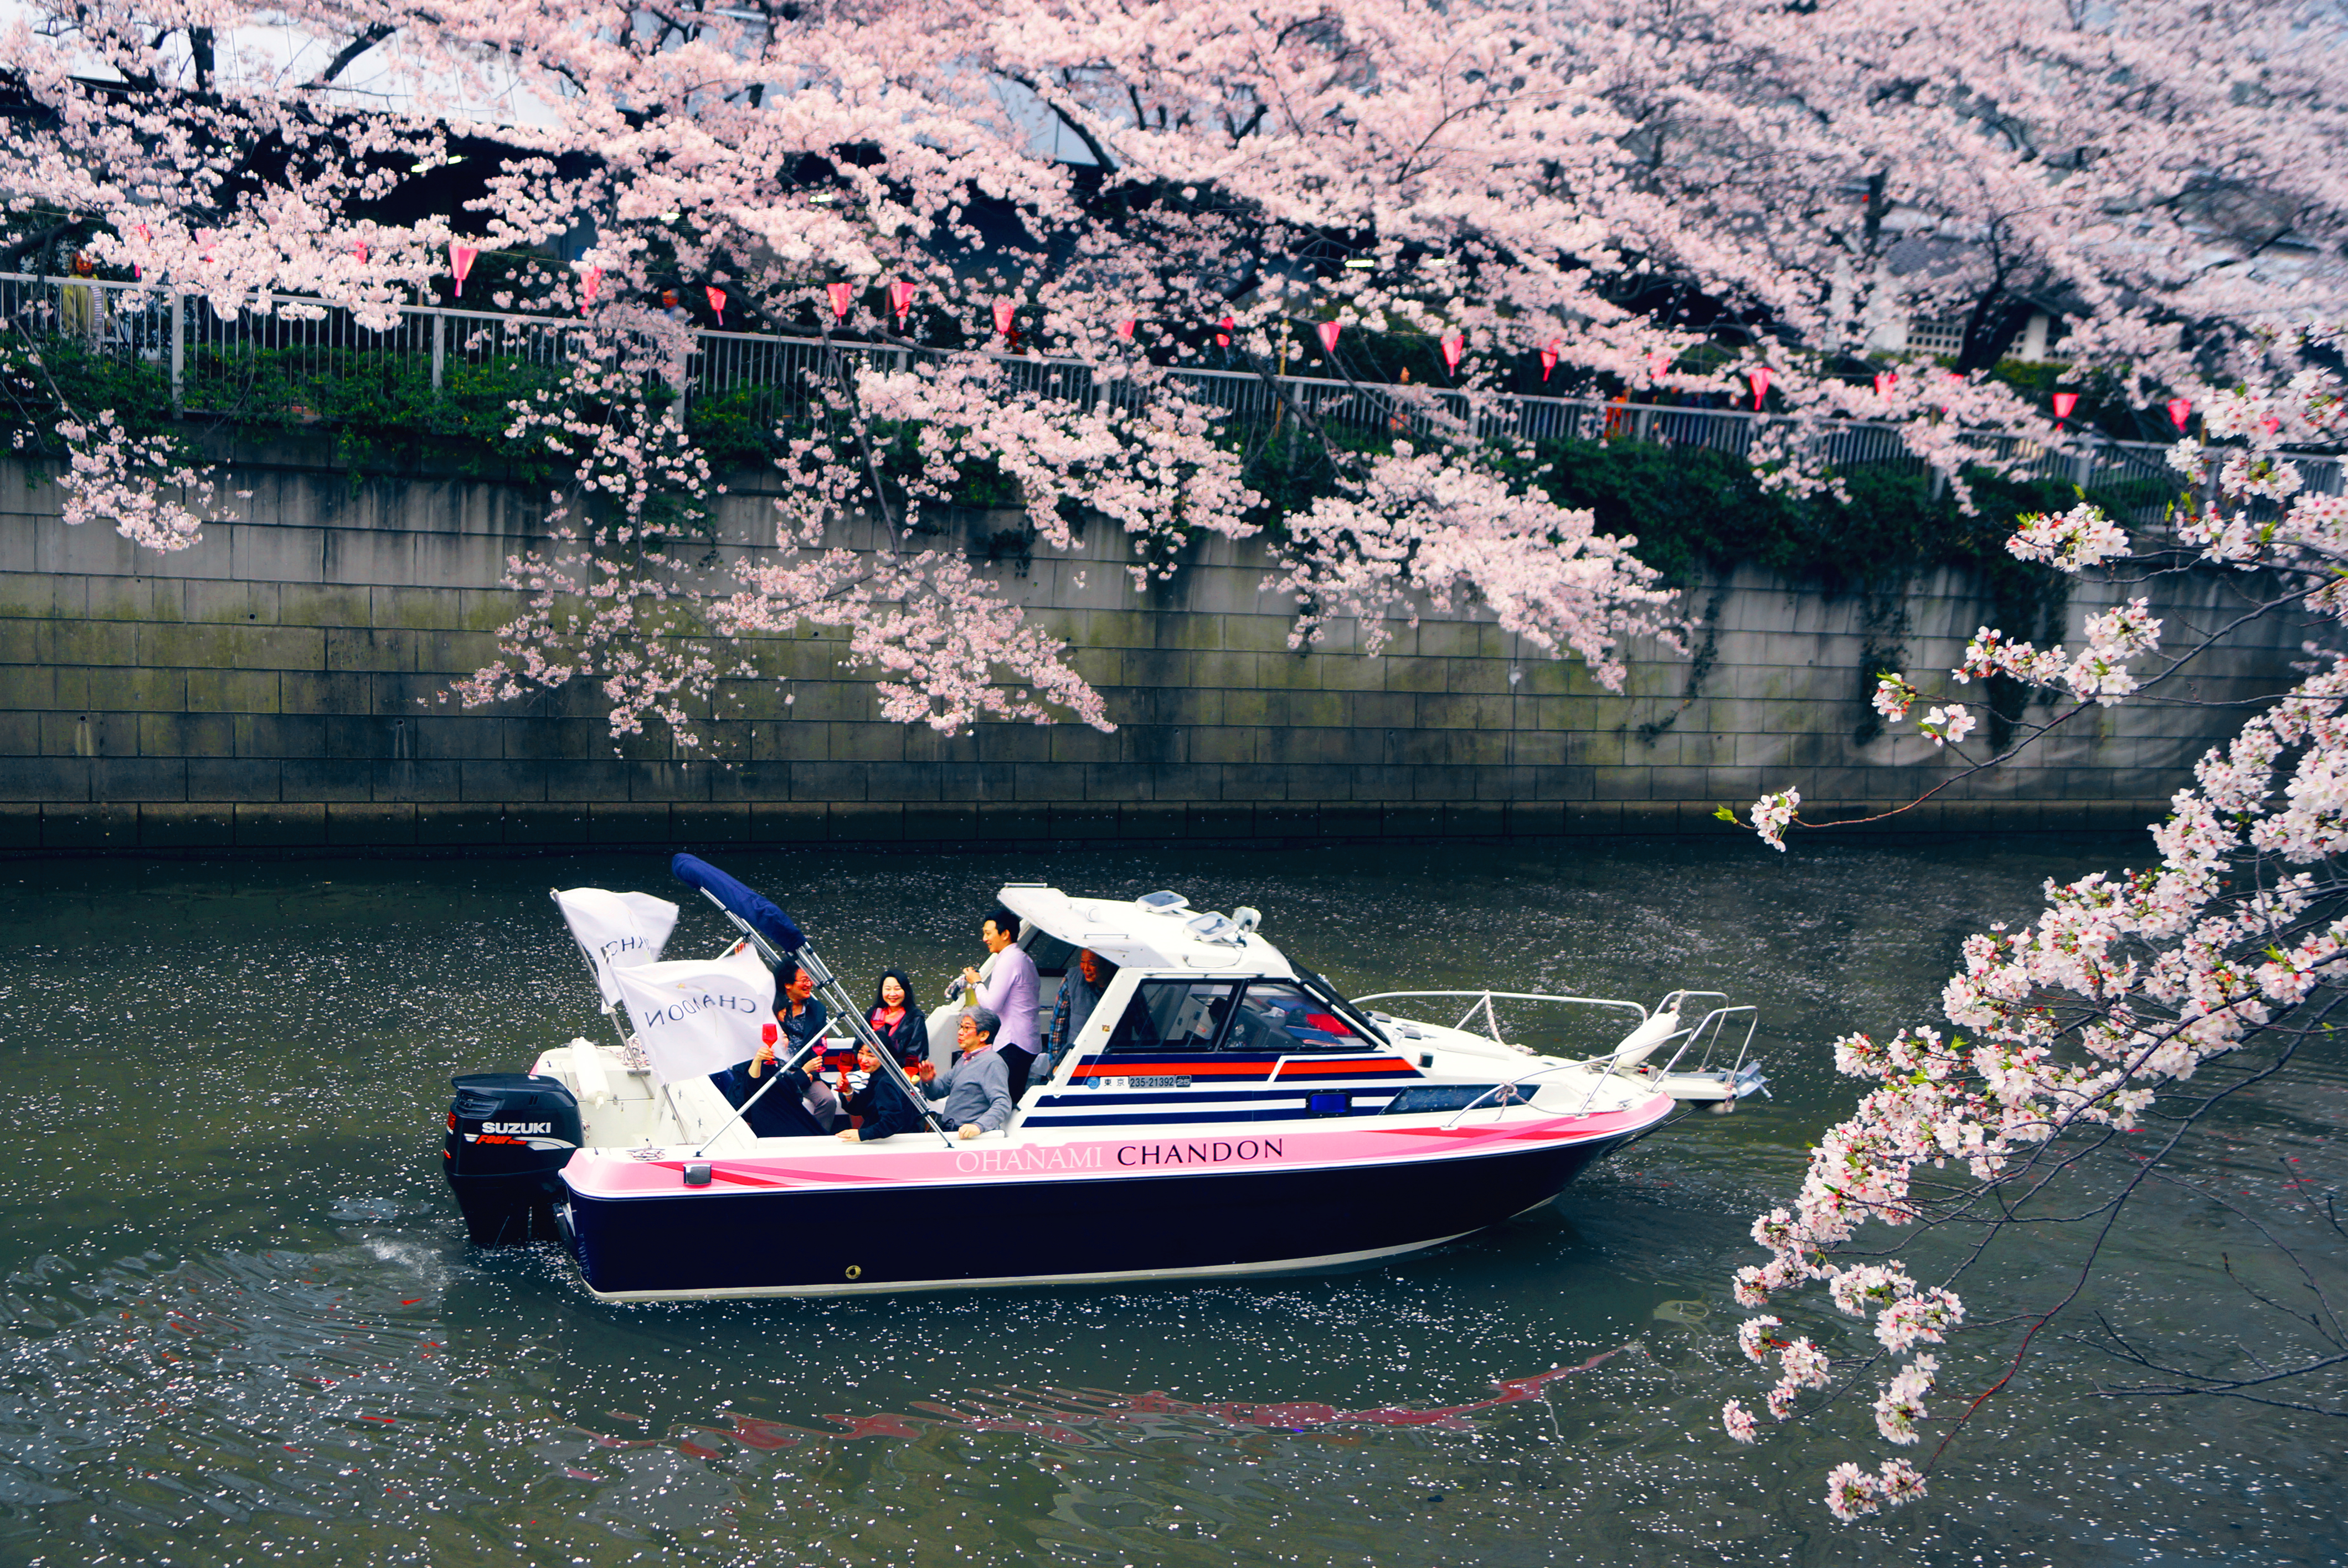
509 1136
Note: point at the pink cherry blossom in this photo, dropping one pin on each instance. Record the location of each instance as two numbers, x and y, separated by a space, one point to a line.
2124 985
2082 537
1947 724
1852 1493
139 484
1507 177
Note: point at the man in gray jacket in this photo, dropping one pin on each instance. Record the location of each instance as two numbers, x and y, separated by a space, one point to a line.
976 1089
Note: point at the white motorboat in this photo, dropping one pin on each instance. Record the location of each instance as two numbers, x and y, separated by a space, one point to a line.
1224 1111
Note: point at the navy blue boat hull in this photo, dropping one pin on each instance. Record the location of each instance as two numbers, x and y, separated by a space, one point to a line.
917 1237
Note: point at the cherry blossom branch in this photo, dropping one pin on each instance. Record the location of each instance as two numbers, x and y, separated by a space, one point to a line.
2123 990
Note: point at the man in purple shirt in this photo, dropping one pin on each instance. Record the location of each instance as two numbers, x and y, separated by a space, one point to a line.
1010 992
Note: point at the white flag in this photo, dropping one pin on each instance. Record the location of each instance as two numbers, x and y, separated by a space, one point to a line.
698 1016
616 930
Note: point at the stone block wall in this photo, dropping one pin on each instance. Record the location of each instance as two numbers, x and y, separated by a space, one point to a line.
271 689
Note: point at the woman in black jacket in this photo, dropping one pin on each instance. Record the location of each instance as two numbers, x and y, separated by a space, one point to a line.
883 1106
897 1019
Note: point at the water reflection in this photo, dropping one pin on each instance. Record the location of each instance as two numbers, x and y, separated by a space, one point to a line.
243 1324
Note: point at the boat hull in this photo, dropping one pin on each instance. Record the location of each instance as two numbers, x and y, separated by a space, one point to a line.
832 1234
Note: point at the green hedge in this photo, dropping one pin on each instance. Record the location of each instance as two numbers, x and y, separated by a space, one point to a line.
1693 511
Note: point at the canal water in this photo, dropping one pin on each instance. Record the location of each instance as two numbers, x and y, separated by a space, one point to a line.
243 1324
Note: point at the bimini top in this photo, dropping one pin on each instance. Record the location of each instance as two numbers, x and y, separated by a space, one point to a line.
1155 931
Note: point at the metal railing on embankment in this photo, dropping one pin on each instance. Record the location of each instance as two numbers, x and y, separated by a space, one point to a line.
286 360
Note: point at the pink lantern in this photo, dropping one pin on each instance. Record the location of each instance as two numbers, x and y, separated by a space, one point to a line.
1885 379
1223 338
1125 329
460 263
360 251
2064 402
588 283
2269 424
1453 347
843 295
1002 317
2179 410
1329 331
204 237
900 298
1760 379
1549 355
716 301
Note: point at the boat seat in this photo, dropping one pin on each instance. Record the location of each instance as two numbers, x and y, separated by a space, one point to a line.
701 1110
587 1072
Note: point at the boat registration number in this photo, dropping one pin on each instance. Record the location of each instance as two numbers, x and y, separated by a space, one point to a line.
1154 1081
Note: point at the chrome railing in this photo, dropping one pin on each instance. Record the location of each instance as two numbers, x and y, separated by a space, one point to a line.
292 354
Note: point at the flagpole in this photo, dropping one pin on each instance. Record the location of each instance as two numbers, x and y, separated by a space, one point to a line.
609 1008
836 997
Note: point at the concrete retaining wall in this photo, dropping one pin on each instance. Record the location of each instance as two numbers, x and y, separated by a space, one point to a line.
270 687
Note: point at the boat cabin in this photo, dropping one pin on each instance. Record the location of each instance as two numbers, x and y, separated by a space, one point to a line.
1204 1020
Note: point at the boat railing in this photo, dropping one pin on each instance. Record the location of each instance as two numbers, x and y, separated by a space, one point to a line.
1507 1091
1484 1000
1710 1030
1677 1001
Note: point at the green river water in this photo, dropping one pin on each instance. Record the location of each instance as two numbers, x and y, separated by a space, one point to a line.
243 1324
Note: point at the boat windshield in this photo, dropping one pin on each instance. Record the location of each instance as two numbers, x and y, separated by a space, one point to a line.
1175 1017
1329 994
1284 1019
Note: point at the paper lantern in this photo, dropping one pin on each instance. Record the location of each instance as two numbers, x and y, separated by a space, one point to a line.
843 295
900 298
2180 411
460 263
2064 402
1223 338
1549 355
1453 347
1002 317
360 251
1329 331
716 301
2269 424
1125 329
1885 379
1760 379
588 283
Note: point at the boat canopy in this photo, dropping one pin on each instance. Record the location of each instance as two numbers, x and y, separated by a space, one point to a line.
1159 931
736 898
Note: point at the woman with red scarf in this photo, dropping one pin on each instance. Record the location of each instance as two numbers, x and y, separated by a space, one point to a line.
897 1020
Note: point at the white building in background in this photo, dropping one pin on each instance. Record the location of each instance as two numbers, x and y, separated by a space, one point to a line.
1946 334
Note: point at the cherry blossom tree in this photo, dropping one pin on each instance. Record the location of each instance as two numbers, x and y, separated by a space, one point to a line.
2096 1041
2165 179
1694 199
